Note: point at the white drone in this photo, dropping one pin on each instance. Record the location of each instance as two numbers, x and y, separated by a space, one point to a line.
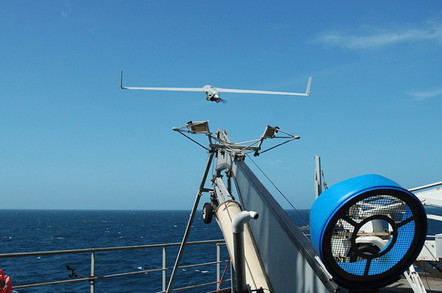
212 93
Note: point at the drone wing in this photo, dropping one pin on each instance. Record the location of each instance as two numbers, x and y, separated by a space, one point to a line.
209 90
177 89
307 92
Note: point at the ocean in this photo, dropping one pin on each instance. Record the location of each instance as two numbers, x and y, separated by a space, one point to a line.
47 230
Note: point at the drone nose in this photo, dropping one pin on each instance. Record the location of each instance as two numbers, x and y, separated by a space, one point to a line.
217 98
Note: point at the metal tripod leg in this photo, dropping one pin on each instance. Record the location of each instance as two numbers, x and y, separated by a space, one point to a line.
189 224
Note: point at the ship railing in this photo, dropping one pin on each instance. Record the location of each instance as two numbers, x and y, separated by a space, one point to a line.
93 278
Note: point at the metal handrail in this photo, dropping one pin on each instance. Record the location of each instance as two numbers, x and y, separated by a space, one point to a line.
101 249
92 278
425 186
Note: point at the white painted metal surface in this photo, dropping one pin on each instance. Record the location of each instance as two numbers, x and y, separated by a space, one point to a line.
428 252
429 195
439 246
414 280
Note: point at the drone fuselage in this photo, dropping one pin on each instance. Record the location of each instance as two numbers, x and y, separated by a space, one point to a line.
212 94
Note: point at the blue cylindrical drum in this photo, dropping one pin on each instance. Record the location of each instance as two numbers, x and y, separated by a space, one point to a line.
367 230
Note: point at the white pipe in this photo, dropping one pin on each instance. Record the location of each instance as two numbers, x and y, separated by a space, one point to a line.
425 186
238 222
242 218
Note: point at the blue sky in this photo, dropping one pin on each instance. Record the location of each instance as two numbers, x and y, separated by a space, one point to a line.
70 138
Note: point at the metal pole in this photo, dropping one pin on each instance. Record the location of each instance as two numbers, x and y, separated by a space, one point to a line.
240 271
218 264
92 272
164 269
189 224
232 278
318 176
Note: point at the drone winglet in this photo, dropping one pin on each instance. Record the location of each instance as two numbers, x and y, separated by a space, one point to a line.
309 84
121 80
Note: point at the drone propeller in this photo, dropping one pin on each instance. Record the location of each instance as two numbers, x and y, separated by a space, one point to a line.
212 93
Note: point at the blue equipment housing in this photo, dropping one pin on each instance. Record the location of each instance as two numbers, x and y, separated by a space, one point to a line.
367 230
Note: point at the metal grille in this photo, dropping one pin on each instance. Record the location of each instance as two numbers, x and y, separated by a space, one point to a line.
372 235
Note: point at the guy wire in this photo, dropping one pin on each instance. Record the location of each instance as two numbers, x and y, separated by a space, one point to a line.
276 187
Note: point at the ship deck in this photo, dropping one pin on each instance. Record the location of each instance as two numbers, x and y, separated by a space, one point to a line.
432 284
